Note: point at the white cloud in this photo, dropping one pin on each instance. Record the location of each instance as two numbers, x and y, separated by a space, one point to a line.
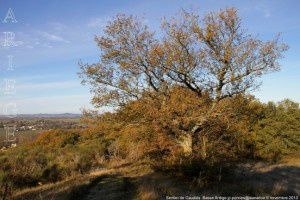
51 85
53 37
29 46
98 22
267 13
264 9
57 26
37 77
51 104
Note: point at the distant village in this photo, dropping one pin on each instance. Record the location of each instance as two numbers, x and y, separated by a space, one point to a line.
14 131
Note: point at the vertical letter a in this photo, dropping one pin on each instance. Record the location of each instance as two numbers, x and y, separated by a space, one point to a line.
10 17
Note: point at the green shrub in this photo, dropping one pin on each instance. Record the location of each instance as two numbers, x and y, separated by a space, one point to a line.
278 132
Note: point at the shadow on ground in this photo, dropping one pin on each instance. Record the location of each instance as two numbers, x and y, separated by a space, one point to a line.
250 180
108 188
263 181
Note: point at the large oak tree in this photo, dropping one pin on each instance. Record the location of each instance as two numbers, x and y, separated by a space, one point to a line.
210 57
213 54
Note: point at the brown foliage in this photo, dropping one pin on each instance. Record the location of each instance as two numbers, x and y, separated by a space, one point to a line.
211 55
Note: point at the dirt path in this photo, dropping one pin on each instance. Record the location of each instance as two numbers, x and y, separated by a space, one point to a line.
251 179
136 181
277 179
110 188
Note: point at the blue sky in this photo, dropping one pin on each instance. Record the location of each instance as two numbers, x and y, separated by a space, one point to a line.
54 35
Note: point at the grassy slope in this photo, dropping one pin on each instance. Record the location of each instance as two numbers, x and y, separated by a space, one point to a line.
139 181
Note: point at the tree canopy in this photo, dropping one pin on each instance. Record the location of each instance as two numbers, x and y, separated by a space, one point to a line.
208 55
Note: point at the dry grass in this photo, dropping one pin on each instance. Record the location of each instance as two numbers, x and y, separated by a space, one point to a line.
278 189
60 190
292 160
261 178
79 184
140 181
147 192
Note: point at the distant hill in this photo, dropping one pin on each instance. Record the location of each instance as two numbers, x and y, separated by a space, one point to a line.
42 116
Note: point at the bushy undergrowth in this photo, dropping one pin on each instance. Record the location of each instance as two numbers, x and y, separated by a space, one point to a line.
278 131
180 133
